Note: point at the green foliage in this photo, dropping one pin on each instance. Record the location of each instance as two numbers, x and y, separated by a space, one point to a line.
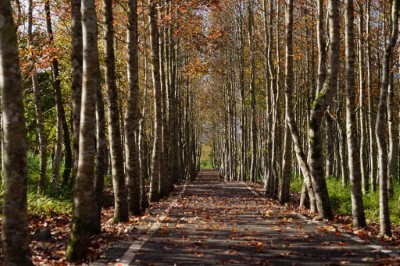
48 108
46 203
296 183
340 198
206 164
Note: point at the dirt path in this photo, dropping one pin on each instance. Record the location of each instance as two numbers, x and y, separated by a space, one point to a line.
215 223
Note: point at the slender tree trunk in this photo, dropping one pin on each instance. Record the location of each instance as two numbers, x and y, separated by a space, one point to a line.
329 145
380 124
84 197
142 142
76 78
320 105
56 157
42 136
351 125
62 126
174 143
243 162
253 166
101 153
121 213
164 173
131 131
321 47
287 157
15 216
372 151
392 163
363 126
155 63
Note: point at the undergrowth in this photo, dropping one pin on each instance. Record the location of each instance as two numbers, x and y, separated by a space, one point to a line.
340 198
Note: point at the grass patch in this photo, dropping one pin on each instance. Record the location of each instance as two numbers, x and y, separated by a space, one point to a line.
206 165
43 204
340 198
47 203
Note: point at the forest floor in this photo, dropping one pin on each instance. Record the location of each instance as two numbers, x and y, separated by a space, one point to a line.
212 222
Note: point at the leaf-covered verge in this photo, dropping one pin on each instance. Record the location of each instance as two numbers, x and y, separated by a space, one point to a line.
340 198
49 233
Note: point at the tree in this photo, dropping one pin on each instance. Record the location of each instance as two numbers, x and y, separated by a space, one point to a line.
320 104
42 136
15 216
155 64
117 162
253 170
287 157
83 225
352 138
76 78
384 218
132 114
61 125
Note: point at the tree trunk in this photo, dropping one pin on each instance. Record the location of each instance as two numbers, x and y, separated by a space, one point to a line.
351 125
287 156
121 213
372 150
363 126
133 169
101 153
329 145
380 125
84 197
393 149
164 173
155 63
76 78
243 162
15 235
61 120
253 166
42 136
321 47
319 107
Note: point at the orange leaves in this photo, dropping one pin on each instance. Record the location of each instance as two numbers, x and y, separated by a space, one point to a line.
196 67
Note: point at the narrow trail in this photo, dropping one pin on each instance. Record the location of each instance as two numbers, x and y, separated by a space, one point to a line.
211 222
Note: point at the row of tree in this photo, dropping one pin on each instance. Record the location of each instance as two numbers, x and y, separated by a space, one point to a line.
58 65
299 95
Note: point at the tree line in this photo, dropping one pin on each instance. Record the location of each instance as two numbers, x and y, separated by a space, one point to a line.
95 88
279 89
309 89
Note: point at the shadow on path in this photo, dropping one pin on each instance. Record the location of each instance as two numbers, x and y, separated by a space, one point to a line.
218 223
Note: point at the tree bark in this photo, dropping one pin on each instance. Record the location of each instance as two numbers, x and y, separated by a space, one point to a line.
84 197
384 218
101 153
351 126
363 126
155 63
76 78
131 131
15 216
287 156
121 213
253 166
319 107
372 150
